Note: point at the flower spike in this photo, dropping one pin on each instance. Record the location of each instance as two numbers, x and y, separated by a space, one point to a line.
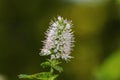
59 40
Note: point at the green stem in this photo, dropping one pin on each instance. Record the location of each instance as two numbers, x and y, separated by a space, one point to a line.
51 70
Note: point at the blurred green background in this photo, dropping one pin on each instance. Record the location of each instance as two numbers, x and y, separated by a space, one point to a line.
97 35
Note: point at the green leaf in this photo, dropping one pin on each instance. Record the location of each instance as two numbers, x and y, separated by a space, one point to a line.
45 76
50 63
46 64
54 62
110 69
53 77
58 68
26 76
40 76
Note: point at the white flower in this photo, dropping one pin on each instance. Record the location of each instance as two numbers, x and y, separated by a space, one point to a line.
59 40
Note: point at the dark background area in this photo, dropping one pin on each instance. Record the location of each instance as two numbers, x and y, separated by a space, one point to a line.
97 37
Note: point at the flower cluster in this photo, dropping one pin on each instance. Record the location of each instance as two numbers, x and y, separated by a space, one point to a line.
59 40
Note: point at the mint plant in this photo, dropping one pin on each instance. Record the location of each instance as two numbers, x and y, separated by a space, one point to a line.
57 46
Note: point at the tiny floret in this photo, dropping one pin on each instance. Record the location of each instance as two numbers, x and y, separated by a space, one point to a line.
59 40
